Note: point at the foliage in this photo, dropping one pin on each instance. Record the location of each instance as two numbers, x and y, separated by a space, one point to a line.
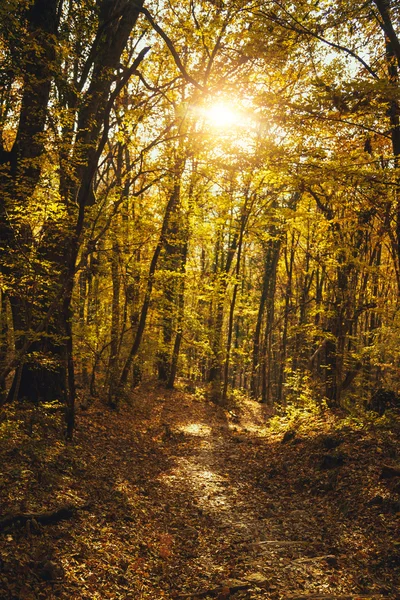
222 207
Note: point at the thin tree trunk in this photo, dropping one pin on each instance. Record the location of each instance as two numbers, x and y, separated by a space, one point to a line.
215 374
288 299
146 302
258 359
172 258
266 382
115 322
243 222
180 319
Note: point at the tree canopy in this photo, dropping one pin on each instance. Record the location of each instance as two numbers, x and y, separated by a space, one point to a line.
205 190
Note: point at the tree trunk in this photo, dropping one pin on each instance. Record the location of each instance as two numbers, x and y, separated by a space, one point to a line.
146 302
19 179
115 321
243 222
215 376
392 43
266 374
268 286
180 319
288 299
171 264
92 129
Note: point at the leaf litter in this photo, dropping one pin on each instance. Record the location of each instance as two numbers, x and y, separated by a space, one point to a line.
178 498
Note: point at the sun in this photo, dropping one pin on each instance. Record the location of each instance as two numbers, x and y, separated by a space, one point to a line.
221 115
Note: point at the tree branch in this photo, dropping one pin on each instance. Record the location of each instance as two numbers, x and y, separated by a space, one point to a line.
298 27
171 48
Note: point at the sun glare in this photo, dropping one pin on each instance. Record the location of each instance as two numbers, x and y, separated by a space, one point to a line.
220 115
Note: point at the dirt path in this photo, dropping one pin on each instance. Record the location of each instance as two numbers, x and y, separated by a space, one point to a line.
239 506
184 499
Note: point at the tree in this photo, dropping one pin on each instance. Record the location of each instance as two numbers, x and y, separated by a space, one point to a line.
225 208
82 147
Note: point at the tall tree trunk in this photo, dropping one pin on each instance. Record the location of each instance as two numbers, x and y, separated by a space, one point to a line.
266 300
289 261
392 43
180 320
243 223
171 263
19 178
146 302
215 376
115 321
266 373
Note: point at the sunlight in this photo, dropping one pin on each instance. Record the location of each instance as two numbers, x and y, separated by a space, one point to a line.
196 429
221 115
209 487
208 475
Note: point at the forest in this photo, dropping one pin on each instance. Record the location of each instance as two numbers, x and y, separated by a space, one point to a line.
199 263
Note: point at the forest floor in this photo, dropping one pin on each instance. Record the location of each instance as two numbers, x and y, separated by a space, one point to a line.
177 498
